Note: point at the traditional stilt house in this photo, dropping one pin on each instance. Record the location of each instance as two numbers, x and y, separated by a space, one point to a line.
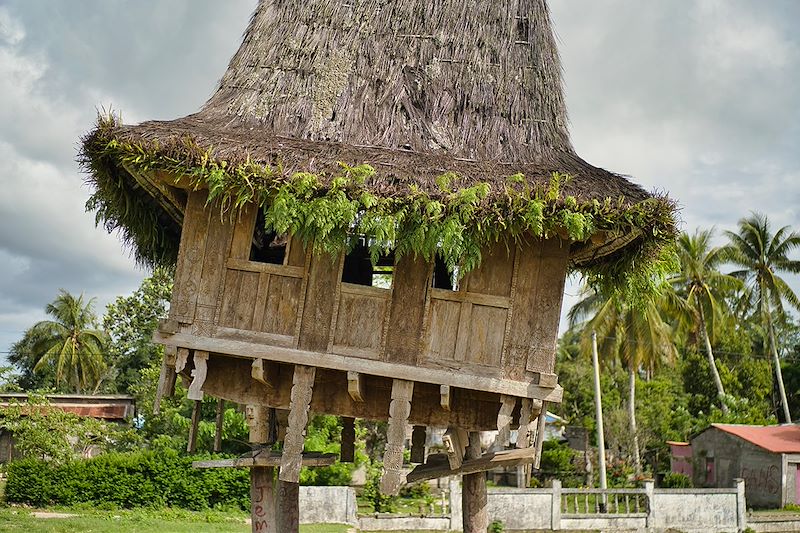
374 216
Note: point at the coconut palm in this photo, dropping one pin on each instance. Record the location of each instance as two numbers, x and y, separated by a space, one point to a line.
636 337
70 343
761 255
701 288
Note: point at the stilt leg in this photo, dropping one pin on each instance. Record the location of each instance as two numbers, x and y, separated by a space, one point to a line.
262 499
476 512
287 501
399 409
218 427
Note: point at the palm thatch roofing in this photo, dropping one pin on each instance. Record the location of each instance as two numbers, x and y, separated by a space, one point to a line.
450 111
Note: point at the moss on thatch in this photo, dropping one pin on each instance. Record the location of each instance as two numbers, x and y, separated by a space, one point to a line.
325 208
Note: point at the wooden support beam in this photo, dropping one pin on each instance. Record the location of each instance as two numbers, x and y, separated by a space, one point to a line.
524 429
418 438
220 420
507 404
540 427
191 446
455 441
438 466
399 409
473 497
355 386
166 379
444 393
348 450
257 421
195 391
262 499
302 388
181 358
266 458
263 372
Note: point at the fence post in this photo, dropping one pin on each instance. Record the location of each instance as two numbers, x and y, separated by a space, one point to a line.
649 489
741 505
456 517
555 508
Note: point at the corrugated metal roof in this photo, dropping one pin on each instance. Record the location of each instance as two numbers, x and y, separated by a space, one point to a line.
776 439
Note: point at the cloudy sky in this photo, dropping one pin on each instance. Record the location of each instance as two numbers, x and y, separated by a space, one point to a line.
700 98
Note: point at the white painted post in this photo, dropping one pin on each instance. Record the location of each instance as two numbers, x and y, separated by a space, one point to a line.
456 516
741 505
598 405
650 489
555 508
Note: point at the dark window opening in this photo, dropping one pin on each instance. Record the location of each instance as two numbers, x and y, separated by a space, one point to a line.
442 277
267 246
358 268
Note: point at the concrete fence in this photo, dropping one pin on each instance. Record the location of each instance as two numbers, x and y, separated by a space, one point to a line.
556 508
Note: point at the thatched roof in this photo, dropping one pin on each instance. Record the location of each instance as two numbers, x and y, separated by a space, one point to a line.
417 90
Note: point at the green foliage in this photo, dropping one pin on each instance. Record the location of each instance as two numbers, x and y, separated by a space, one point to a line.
674 480
46 433
130 322
66 351
325 209
324 435
381 503
496 527
128 480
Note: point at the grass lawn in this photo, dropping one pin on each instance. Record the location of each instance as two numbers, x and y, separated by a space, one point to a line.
140 521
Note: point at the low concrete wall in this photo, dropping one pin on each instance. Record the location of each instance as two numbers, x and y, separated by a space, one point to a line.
521 508
774 522
328 505
404 523
606 522
696 510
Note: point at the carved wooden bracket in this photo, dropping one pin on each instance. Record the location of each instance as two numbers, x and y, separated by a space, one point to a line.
399 409
195 391
355 386
300 399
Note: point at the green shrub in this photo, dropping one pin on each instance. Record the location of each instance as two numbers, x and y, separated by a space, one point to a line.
674 480
128 480
496 527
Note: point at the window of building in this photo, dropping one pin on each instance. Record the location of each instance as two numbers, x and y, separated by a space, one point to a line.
358 267
442 277
267 246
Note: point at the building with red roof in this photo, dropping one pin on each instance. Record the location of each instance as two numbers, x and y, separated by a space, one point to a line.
766 457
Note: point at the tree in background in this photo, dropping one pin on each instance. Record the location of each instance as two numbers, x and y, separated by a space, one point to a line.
69 347
635 336
760 254
701 289
130 322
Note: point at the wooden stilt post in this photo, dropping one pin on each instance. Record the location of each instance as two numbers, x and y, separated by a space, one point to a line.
218 428
348 450
262 499
191 446
287 502
399 409
473 497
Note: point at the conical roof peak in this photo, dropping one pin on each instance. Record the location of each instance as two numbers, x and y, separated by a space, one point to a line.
476 79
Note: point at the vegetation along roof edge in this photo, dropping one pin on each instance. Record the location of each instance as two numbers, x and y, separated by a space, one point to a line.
409 201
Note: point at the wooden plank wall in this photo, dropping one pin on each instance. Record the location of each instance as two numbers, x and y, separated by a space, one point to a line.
190 258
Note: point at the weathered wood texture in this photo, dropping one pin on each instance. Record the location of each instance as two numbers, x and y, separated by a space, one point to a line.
409 293
229 378
399 410
537 308
318 309
300 399
474 501
348 447
218 426
262 499
190 259
191 445
266 458
418 436
438 466
287 504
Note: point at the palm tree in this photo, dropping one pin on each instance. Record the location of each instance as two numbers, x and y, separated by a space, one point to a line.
700 288
761 254
69 342
637 337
